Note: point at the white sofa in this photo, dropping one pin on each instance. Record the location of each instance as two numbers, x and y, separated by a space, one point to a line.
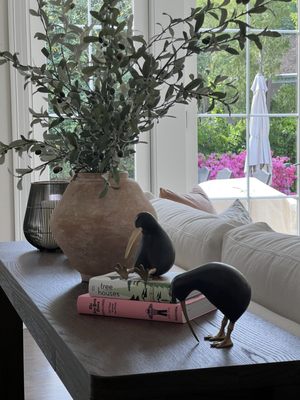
269 260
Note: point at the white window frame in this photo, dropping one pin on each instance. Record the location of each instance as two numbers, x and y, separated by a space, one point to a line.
142 155
19 38
6 179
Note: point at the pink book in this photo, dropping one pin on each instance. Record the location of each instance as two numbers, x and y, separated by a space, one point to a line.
149 310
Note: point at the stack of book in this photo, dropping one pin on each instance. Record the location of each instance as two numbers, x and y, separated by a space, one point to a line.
110 295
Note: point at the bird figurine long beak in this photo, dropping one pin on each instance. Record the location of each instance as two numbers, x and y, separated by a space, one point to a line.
136 233
122 270
183 306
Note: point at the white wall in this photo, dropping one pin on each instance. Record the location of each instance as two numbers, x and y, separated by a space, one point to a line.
174 140
172 161
6 179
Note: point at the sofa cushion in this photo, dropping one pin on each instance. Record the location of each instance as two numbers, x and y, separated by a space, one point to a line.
271 263
236 212
197 236
198 200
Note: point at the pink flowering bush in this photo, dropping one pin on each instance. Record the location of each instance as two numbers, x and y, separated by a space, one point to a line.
283 173
214 162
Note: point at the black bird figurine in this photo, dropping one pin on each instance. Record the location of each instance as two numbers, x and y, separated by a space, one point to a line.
224 286
155 254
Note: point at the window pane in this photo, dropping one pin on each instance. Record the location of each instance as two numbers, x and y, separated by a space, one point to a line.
211 21
78 15
278 62
225 64
222 144
283 16
283 139
125 7
279 213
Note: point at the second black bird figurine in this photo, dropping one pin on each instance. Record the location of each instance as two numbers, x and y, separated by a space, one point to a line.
224 286
155 254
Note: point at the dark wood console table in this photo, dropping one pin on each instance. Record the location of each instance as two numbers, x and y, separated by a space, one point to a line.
112 358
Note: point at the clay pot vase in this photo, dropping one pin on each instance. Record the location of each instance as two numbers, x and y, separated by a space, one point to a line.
93 231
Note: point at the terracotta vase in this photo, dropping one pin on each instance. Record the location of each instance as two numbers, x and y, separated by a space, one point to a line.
93 231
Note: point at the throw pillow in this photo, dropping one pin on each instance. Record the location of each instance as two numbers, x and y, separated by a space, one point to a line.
271 263
236 212
198 200
196 235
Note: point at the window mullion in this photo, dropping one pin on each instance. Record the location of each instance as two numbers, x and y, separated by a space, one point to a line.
247 66
298 124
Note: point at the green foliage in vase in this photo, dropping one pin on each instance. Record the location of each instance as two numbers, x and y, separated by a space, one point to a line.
105 85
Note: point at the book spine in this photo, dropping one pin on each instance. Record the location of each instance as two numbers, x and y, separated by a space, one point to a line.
131 290
152 311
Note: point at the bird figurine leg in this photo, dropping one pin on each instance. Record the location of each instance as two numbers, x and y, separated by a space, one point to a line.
123 271
227 342
144 273
220 335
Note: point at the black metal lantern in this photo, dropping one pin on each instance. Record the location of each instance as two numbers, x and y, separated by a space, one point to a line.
43 197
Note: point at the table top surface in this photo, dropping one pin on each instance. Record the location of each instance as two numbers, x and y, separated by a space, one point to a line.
43 289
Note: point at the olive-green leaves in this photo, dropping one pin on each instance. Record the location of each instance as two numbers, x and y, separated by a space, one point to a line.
105 83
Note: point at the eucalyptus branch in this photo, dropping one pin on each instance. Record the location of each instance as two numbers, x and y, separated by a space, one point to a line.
45 26
66 65
170 60
159 36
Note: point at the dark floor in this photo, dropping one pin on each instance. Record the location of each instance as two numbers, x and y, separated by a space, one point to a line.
41 382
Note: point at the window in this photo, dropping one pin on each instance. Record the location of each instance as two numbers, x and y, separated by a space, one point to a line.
225 140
